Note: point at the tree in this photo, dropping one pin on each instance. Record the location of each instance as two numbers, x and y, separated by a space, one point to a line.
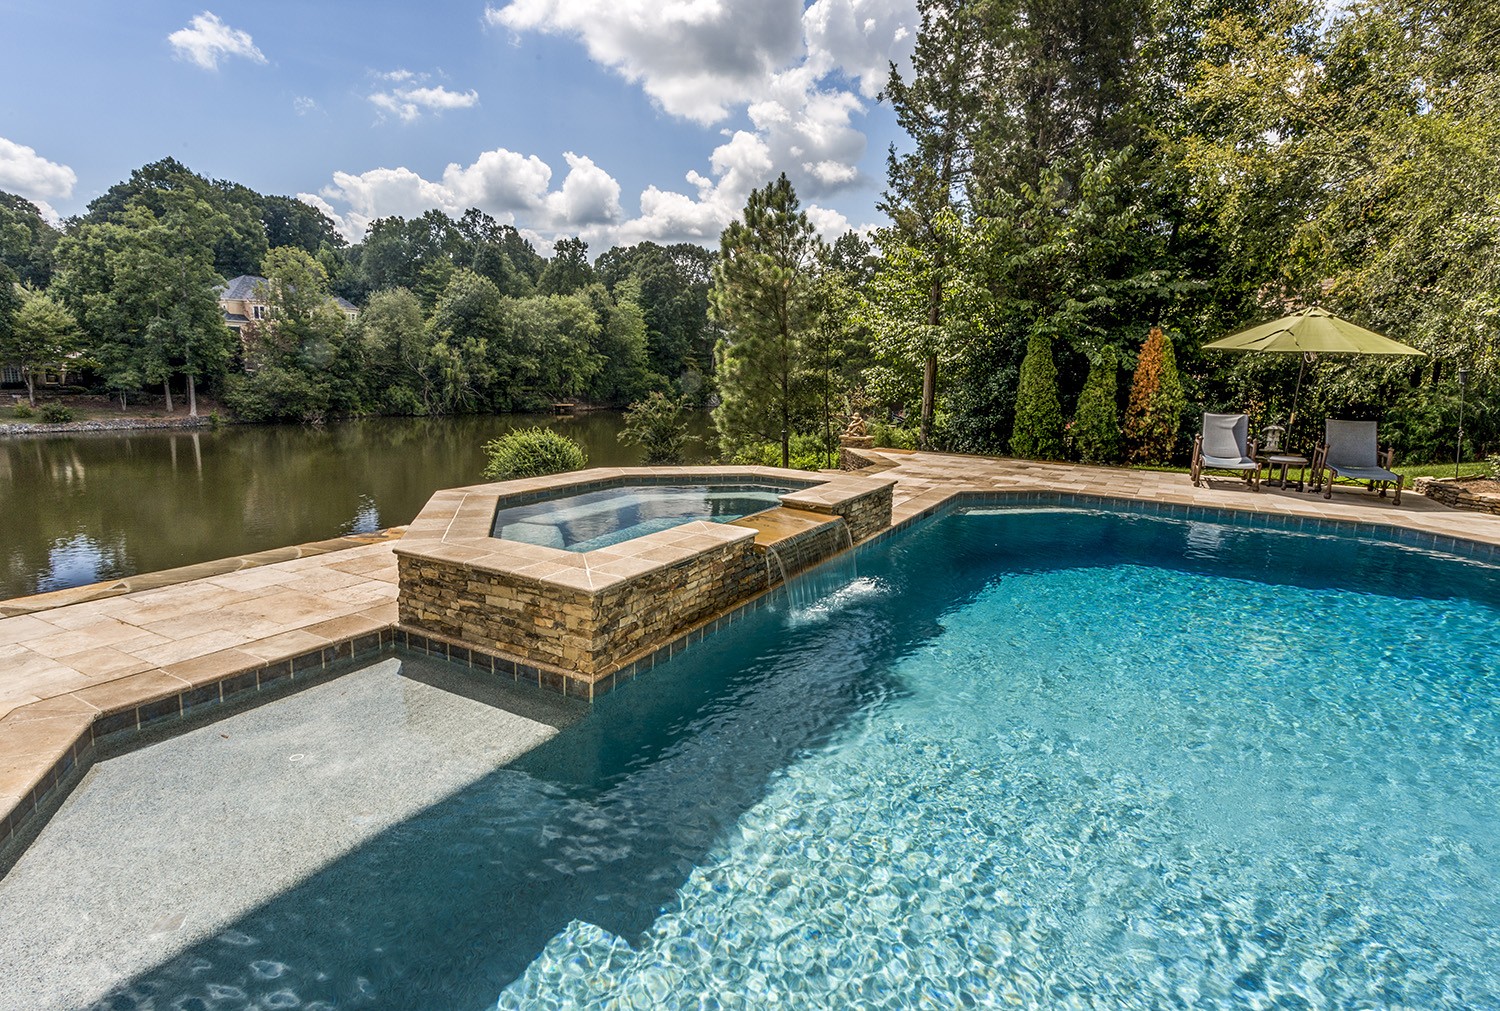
658 424
940 110
300 361
1038 430
467 354
568 271
395 343
1096 424
761 296
673 284
26 241
41 333
1157 401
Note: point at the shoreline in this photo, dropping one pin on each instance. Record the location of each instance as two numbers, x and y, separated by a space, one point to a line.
122 425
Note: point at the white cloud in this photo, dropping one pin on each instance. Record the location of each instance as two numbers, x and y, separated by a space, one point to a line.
517 189
589 195
800 75
697 58
24 171
413 96
206 40
410 103
303 105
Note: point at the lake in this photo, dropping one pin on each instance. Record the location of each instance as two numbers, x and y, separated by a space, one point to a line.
81 508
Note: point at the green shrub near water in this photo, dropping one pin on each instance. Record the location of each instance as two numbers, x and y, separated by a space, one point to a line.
532 452
55 414
22 411
658 424
1038 431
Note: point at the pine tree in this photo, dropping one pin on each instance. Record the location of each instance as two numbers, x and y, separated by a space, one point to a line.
761 297
1156 402
939 108
1096 425
1038 430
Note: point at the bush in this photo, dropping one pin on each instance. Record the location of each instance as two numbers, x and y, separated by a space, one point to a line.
1157 401
1038 430
892 436
56 414
532 452
1096 425
807 453
659 426
23 411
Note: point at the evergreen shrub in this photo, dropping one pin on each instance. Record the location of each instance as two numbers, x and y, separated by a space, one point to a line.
1096 424
1157 401
1038 431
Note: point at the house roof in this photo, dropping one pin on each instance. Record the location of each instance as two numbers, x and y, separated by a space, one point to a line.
236 317
244 286
240 287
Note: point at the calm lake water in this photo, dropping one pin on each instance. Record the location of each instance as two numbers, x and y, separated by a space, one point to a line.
82 508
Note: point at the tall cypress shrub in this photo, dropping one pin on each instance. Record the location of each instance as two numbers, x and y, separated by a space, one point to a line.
1096 425
1038 430
1156 402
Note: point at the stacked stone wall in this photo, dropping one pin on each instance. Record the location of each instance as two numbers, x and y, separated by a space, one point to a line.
577 630
1454 493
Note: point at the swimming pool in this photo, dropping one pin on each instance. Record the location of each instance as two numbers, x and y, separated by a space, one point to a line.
1038 758
598 519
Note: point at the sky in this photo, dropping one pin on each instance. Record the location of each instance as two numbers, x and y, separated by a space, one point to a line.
615 120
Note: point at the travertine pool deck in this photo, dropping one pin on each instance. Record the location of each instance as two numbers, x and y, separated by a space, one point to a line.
83 665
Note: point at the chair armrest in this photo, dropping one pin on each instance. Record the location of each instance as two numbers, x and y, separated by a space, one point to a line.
1387 457
1250 450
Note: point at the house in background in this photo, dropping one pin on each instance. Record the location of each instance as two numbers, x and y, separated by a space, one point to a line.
241 303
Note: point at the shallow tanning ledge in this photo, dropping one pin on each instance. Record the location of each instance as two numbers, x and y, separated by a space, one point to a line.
570 619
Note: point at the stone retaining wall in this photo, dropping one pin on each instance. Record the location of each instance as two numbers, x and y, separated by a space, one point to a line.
1452 492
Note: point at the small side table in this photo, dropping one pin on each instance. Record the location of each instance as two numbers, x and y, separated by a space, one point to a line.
1285 460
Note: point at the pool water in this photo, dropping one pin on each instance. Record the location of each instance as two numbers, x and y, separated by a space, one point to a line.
600 518
1033 759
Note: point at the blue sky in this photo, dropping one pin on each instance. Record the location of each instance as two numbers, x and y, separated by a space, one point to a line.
617 120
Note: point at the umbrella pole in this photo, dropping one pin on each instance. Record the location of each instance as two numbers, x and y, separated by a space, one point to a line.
1291 420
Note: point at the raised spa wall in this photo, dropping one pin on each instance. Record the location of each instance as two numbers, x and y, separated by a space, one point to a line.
572 621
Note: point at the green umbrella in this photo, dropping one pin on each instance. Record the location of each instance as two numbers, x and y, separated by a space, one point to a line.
1313 330
1310 333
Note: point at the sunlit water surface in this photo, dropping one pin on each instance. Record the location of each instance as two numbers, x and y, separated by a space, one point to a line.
1034 760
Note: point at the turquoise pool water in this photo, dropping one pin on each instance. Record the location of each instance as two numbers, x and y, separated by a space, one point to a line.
1034 759
598 519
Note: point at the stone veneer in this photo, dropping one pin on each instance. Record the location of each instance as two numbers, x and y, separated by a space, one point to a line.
574 618
1454 492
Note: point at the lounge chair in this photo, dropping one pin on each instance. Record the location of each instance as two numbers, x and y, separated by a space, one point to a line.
1350 450
1223 445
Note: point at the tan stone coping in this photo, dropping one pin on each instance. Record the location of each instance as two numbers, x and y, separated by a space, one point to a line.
455 526
38 602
